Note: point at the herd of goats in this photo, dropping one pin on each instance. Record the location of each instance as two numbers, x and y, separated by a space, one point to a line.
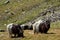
17 30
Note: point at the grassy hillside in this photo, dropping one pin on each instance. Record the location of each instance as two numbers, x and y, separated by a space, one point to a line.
22 11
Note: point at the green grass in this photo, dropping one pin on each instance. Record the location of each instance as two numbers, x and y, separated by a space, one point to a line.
55 24
27 6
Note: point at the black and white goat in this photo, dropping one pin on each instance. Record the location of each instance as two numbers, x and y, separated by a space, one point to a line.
14 29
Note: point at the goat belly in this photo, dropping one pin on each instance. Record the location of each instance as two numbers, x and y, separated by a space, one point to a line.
15 30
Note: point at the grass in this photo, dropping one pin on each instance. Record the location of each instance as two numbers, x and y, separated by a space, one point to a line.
55 24
24 11
53 34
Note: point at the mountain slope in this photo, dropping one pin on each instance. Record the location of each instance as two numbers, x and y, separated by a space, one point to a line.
22 11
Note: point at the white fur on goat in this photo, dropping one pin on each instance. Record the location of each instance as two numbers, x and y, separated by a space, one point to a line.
15 29
9 26
36 25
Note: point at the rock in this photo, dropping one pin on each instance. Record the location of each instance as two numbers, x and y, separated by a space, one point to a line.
10 13
6 2
6 11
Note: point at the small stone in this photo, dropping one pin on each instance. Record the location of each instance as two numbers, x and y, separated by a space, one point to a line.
10 13
6 2
6 11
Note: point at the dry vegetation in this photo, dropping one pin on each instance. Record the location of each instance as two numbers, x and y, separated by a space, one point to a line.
53 34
